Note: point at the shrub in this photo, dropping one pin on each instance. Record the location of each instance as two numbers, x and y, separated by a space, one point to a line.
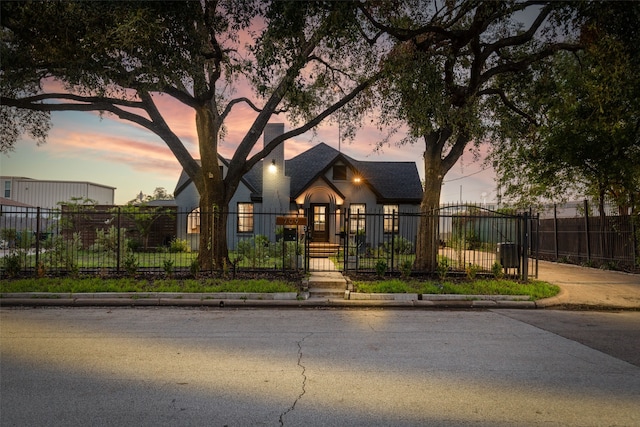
400 246
131 264
9 235
25 239
194 267
167 265
381 267
179 245
472 271
497 270
405 268
443 268
13 263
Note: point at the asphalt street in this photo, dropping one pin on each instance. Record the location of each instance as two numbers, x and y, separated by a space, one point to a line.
314 367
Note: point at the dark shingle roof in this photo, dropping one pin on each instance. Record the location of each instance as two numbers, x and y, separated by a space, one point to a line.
306 167
390 181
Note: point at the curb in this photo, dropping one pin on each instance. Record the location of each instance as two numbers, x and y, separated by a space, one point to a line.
227 301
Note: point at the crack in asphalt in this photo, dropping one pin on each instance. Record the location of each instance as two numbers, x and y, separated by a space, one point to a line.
304 380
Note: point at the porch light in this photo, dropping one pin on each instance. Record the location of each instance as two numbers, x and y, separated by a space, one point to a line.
272 167
357 180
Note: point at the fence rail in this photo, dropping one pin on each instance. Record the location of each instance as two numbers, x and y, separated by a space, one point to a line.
107 239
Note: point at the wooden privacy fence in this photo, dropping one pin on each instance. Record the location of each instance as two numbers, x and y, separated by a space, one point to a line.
108 239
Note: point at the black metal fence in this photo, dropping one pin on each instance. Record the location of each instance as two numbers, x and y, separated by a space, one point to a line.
108 239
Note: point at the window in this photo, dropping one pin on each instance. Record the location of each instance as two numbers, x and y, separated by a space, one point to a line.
193 221
390 218
245 217
339 173
7 189
357 218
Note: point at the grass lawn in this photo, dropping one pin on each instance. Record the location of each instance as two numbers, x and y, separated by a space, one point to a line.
96 284
534 288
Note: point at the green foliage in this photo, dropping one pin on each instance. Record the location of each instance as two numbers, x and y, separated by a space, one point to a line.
381 267
179 245
194 267
110 241
472 271
497 270
131 264
535 289
167 266
443 267
255 250
63 252
25 239
585 107
68 285
13 263
143 218
400 246
9 235
405 268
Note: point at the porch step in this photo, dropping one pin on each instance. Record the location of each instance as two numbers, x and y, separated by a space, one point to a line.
327 284
323 250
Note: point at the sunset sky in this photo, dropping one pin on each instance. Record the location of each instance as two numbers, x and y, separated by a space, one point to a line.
84 147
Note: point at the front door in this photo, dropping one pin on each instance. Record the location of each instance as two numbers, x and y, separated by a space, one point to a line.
319 216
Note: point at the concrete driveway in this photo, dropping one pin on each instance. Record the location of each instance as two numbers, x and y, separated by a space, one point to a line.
583 287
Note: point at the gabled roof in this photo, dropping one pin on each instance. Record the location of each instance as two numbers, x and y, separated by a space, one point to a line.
306 167
390 181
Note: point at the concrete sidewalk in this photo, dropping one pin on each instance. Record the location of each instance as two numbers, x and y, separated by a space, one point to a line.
583 287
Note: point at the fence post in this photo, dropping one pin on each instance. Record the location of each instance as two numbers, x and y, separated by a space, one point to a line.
555 230
537 242
586 228
525 247
37 238
393 237
118 243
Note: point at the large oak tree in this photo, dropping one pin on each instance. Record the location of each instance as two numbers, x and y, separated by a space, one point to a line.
444 70
305 59
582 134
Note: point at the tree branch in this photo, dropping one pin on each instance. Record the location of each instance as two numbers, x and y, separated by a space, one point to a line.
312 123
506 101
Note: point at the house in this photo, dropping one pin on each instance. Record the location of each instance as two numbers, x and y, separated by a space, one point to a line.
49 193
334 191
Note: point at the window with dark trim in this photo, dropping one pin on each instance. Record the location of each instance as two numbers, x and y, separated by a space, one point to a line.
193 221
7 189
390 219
339 173
357 218
245 217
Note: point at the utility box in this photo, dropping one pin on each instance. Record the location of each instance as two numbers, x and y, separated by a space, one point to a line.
507 255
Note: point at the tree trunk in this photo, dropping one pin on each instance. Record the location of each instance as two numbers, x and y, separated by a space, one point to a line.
213 252
427 243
